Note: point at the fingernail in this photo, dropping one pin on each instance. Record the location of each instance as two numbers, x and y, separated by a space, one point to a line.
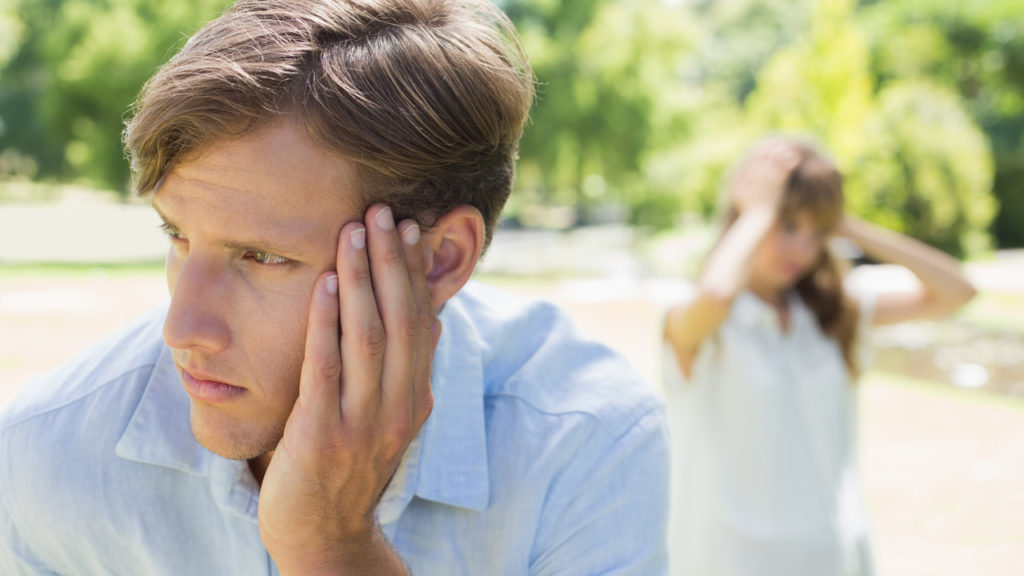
332 284
384 219
411 234
358 237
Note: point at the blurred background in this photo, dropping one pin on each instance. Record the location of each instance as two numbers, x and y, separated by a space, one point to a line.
643 106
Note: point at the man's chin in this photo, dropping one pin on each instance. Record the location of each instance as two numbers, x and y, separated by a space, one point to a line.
231 440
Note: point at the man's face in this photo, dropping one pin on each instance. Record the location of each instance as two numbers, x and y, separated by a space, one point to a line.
253 222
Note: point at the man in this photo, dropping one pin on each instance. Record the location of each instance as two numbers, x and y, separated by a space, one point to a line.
329 173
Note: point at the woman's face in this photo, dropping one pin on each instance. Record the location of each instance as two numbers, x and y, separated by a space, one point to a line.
792 247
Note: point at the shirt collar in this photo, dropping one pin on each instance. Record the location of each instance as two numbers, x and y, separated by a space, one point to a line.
159 431
446 463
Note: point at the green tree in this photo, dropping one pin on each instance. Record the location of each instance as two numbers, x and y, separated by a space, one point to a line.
928 170
914 159
10 31
975 49
79 67
602 103
732 43
642 102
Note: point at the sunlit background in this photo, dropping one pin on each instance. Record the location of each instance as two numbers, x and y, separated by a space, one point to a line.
642 107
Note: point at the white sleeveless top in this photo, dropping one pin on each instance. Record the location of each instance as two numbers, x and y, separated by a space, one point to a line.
764 446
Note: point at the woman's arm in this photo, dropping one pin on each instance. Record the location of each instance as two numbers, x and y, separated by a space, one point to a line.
756 194
943 289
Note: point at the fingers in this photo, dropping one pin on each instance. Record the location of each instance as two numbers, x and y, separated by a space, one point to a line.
398 306
761 181
410 234
774 160
387 339
318 385
362 333
784 159
376 370
428 326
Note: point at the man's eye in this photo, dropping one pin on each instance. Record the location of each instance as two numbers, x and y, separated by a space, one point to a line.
264 257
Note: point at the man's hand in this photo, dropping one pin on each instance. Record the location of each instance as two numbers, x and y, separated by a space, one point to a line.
363 397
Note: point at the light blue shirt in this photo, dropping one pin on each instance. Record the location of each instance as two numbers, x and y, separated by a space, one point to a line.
545 454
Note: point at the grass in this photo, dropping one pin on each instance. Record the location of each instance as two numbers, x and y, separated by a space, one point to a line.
507 281
996 312
20 190
943 389
76 269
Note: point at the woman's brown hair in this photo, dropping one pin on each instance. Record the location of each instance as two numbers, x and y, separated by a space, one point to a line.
815 187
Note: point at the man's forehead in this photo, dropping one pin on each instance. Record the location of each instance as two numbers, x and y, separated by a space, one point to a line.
263 190
279 163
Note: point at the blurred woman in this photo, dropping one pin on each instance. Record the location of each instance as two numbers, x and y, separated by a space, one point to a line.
760 366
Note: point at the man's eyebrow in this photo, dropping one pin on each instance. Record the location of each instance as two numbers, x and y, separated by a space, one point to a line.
259 244
168 223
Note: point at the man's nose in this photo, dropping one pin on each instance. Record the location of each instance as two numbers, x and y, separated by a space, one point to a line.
197 318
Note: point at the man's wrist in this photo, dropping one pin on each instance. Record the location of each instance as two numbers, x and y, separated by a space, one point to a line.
358 554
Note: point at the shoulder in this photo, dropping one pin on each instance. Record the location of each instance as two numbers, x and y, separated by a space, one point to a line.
58 436
734 327
535 360
566 422
742 313
70 420
95 372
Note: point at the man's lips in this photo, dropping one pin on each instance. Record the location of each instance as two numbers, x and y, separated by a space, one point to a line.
204 388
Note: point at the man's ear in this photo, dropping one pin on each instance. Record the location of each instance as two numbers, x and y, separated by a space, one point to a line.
452 248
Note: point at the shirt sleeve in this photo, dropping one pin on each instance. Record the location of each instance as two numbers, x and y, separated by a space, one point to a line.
608 513
16 557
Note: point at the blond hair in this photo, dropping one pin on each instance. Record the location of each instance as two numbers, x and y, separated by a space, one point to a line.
427 98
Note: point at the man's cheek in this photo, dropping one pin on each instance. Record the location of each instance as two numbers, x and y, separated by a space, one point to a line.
281 288
284 316
275 347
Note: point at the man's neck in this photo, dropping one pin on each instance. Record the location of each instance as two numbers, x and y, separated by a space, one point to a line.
259 464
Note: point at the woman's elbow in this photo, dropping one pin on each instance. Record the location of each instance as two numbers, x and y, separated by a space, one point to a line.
958 295
967 293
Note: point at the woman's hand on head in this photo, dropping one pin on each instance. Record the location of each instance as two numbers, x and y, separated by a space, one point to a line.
761 180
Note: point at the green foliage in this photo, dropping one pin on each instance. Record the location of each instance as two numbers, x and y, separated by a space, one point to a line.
819 85
914 160
929 169
602 100
904 125
79 67
975 50
645 103
10 31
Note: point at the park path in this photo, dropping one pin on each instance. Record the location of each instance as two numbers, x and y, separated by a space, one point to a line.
943 470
